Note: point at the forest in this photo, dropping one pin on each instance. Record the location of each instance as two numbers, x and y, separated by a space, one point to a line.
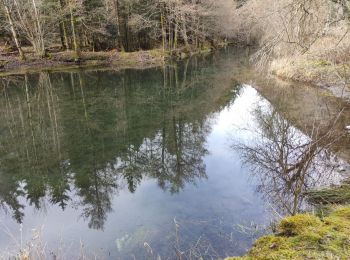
102 25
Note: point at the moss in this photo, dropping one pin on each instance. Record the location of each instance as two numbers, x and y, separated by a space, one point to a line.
295 225
306 236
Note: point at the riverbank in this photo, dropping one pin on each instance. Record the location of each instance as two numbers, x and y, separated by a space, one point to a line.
295 44
11 64
324 235
306 236
322 72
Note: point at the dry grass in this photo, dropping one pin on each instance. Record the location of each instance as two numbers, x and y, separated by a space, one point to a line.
32 249
36 248
311 70
325 63
307 41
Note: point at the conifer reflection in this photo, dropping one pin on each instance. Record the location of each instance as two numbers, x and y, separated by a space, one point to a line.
79 138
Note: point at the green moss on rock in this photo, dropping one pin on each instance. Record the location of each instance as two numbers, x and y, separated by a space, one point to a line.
306 236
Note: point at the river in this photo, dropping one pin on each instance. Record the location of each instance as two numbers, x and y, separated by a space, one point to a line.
161 162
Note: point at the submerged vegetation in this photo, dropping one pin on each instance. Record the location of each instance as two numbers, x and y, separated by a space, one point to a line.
306 236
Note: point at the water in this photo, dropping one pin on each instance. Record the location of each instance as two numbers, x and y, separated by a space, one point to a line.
136 163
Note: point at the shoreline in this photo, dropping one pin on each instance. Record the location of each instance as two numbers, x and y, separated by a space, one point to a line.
320 73
65 60
61 61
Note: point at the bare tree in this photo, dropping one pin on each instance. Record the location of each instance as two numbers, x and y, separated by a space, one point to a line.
126 25
8 12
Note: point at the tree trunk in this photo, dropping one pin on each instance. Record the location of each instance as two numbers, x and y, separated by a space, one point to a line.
175 31
14 33
63 29
117 21
75 41
184 32
40 45
163 31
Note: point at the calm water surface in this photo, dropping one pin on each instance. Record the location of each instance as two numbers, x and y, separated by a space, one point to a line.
136 163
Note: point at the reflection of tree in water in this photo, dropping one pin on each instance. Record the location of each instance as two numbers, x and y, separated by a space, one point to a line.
286 162
78 137
116 138
174 157
30 146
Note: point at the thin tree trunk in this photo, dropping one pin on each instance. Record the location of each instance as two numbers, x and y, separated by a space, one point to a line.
126 29
75 41
163 31
170 37
63 29
41 45
14 33
63 43
175 31
184 32
117 21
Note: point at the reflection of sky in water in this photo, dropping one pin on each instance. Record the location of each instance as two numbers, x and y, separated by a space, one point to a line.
124 112
211 206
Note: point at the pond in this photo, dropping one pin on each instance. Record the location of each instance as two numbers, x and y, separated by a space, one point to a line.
140 164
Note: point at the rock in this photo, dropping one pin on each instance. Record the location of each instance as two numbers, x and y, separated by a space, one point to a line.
273 246
347 127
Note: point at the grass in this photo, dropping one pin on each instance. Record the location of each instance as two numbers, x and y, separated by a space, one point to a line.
36 248
332 195
298 45
325 64
306 236
309 69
